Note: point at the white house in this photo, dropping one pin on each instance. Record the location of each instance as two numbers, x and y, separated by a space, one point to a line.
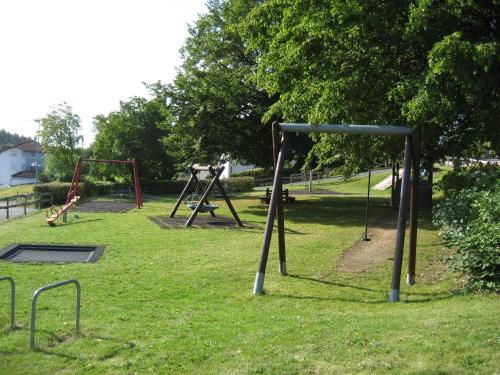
19 162
229 170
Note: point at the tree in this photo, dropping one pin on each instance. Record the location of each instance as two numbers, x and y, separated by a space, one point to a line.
216 106
432 64
135 131
7 138
59 138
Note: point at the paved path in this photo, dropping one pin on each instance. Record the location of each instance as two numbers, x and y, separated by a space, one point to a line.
15 212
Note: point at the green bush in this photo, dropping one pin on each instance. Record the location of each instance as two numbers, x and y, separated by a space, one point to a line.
255 173
241 184
469 220
159 187
58 189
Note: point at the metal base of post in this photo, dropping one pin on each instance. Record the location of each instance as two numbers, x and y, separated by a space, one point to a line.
410 279
394 296
366 238
259 283
283 269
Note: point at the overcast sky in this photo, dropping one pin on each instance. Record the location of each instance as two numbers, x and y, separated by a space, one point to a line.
90 53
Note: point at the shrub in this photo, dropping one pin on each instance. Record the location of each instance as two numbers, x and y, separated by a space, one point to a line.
240 184
159 187
58 189
469 220
255 173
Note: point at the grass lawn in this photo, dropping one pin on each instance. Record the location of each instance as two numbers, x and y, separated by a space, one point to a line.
14 190
179 301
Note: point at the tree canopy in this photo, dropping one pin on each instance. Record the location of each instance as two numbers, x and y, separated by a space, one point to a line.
214 100
59 138
135 131
7 138
432 64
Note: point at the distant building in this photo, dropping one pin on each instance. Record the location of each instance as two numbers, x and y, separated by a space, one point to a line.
229 170
18 163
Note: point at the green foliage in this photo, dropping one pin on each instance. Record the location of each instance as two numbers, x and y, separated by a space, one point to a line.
161 187
59 137
469 218
58 189
135 131
7 138
240 184
215 103
256 173
428 63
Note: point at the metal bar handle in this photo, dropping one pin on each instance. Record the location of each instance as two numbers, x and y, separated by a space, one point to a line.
12 300
37 293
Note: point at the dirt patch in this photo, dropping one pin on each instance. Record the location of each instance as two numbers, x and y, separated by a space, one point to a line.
208 221
105 206
365 254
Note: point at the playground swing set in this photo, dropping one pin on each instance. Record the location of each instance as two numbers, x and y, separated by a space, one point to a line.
73 195
197 201
411 163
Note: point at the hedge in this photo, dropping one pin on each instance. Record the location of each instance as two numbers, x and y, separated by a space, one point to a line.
60 190
159 187
469 220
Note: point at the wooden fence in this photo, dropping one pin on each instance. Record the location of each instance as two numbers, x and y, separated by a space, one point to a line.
25 201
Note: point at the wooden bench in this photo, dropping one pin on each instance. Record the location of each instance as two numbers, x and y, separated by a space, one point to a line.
286 197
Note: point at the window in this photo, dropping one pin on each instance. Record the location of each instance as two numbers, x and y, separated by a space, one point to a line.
13 166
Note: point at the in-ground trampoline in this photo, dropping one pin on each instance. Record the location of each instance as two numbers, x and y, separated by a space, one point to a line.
39 253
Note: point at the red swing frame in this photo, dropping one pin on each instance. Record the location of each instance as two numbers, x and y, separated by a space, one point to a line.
75 192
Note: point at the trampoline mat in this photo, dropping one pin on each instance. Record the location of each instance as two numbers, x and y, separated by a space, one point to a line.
37 253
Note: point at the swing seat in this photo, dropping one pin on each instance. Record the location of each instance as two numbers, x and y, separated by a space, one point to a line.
203 207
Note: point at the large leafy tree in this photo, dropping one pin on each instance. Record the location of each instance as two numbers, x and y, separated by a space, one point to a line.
432 64
60 138
216 106
135 131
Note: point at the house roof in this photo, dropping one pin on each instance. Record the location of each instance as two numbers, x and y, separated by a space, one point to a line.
24 174
26 146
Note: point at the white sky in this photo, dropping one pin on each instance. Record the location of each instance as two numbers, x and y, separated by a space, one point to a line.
90 53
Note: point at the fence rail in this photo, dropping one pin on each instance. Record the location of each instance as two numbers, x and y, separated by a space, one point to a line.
25 201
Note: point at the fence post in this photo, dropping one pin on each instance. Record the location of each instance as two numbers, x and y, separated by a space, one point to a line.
24 204
7 208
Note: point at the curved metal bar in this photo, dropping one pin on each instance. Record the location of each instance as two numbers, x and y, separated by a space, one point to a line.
37 293
12 300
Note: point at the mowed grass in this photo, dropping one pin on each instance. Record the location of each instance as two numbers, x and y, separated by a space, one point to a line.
179 301
14 190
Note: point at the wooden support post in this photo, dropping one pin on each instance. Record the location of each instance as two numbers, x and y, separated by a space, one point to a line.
183 194
226 198
271 213
203 198
400 235
280 213
412 255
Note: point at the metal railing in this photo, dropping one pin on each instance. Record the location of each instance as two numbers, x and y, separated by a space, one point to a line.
25 200
12 300
37 293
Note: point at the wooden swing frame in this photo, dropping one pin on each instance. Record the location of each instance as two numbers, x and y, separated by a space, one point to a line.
215 172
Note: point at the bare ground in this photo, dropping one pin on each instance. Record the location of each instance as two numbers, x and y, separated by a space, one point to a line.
366 254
